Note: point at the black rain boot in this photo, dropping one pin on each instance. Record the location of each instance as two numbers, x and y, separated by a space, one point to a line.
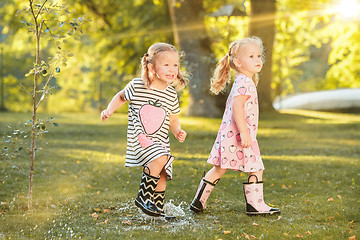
255 204
145 198
159 198
202 194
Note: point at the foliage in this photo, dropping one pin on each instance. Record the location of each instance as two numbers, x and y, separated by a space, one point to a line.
312 167
306 53
344 72
306 35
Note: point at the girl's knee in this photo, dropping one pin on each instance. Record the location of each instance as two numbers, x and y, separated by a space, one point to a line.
220 170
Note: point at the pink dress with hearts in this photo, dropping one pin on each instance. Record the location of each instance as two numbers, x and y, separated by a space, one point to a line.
227 151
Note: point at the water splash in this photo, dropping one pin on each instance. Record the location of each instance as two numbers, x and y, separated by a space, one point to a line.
172 210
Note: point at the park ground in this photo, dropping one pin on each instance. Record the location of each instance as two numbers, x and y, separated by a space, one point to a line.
83 191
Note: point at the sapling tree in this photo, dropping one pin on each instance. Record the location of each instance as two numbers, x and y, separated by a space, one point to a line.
52 21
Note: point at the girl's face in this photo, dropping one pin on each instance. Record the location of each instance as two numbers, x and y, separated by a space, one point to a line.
165 68
248 59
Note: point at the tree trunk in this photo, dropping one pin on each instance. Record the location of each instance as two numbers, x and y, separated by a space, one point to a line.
190 32
262 24
33 149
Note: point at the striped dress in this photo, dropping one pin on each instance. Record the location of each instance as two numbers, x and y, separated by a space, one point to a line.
149 111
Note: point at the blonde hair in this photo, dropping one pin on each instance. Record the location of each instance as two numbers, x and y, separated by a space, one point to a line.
150 57
222 72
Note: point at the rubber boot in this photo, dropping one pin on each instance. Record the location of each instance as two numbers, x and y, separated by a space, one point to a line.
202 194
145 198
159 198
255 204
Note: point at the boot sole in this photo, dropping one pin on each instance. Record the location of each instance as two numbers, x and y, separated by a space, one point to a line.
194 209
262 213
153 214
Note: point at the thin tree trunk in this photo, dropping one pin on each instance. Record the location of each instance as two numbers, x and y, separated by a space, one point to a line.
35 89
262 24
2 105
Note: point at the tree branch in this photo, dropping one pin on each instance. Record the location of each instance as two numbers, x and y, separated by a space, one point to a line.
41 8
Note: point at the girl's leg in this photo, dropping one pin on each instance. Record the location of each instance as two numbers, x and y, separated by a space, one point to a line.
159 195
215 173
162 182
157 165
206 185
149 182
259 176
254 197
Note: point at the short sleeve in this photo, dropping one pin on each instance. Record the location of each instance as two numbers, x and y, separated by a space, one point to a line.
129 90
243 86
174 107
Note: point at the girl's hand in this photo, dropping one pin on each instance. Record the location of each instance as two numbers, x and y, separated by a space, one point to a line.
181 136
245 140
105 114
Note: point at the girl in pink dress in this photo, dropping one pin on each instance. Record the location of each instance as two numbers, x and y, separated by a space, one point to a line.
236 146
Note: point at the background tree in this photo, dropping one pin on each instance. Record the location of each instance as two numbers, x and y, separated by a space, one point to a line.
121 31
262 24
200 62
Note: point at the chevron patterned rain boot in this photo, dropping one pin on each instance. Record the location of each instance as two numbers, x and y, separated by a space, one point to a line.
255 204
145 198
159 198
202 194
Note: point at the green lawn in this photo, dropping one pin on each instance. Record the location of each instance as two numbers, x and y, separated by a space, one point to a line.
312 174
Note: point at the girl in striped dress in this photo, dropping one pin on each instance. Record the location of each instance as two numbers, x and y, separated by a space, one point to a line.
153 109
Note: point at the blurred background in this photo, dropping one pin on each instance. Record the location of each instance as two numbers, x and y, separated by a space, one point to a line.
311 46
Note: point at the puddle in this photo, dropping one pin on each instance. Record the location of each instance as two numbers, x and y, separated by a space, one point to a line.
133 218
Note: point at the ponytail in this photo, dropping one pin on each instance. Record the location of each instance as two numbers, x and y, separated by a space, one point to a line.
145 70
221 75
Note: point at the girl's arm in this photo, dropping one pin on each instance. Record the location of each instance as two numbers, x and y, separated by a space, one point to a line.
175 128
239 117
117 101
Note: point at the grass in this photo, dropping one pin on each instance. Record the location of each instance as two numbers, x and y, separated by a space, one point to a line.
82 189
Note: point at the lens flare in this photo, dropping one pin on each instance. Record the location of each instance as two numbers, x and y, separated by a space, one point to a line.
349 9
